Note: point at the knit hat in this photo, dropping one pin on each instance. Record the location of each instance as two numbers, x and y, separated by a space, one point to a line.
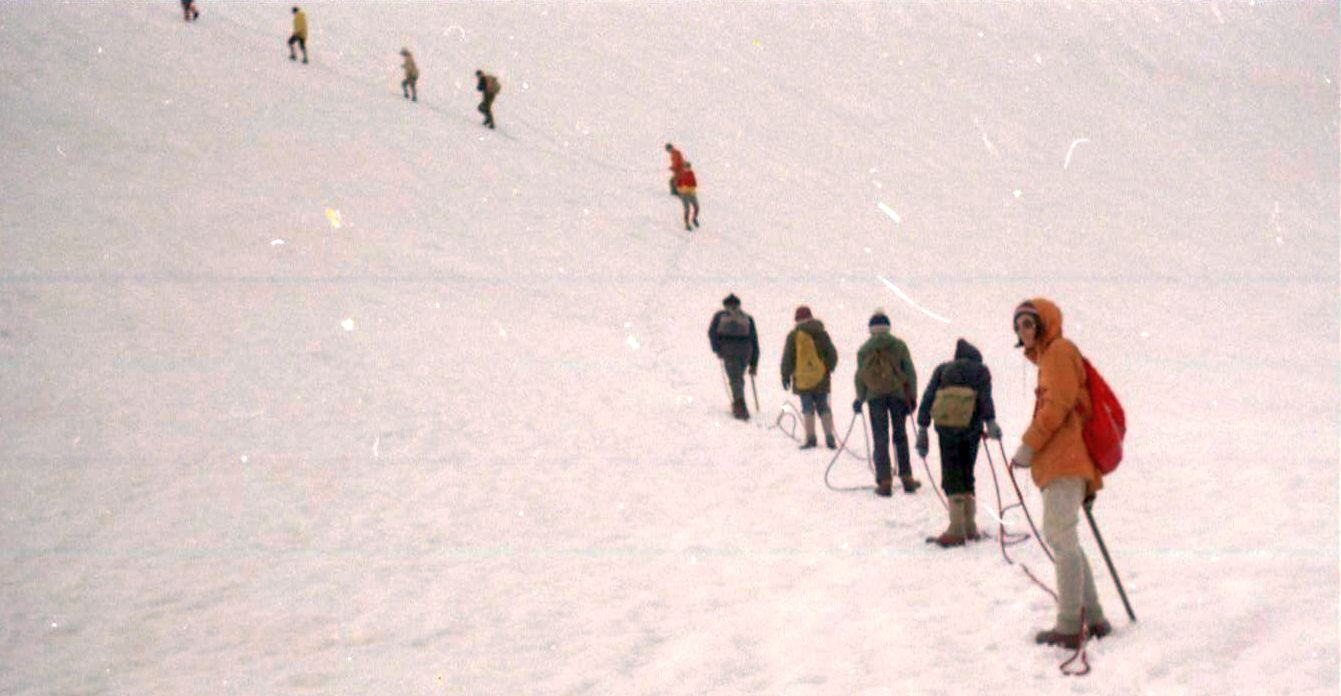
1025 309
803 313
878 320
731 300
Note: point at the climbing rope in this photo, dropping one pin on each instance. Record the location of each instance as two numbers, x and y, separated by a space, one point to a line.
843 448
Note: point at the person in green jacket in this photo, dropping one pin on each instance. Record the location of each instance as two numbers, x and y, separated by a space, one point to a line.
886 380
808 358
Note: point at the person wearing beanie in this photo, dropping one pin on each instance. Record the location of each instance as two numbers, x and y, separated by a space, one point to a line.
808 358
1053 450
736 343
958 400
299 35
887 382
408 85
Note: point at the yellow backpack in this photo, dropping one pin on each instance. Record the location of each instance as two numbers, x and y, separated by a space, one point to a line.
810 370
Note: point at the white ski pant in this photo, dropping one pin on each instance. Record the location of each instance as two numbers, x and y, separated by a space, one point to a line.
1075 583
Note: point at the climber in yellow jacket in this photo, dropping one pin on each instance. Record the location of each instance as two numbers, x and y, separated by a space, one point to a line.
299 34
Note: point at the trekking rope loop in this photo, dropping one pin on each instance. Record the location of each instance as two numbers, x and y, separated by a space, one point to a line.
792 414
839 453
1006 538
1080 653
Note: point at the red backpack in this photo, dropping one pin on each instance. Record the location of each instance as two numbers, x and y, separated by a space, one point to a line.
1107 424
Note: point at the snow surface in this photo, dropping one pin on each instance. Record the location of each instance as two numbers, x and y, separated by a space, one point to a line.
308 389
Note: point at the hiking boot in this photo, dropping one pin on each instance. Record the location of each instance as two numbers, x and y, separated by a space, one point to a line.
884 488
1052 636
810 443
739 411
970 511
829 442
910 484
954 534
1100 628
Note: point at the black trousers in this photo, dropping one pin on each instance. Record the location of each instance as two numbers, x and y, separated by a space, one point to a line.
887 411
959 453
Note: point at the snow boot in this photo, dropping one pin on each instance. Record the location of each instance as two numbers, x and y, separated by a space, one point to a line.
884 488
739 411
808 420
970 525
954 534
1052 636
1099 629
826 419
910 484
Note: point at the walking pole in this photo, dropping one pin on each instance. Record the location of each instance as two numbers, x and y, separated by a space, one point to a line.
1095 528
726 383
756 393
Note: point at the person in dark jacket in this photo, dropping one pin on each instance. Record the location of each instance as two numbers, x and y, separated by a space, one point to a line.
887 381
489 87
959 400
810 379
736 343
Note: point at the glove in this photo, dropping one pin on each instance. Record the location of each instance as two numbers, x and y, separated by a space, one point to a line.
786 384
922 446
1023 457
993 431
754 370
856 406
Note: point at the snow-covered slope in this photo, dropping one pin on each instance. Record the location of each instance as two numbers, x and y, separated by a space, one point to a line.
310 389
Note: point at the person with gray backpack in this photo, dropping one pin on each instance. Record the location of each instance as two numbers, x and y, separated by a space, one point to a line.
886 381
958 400
736 343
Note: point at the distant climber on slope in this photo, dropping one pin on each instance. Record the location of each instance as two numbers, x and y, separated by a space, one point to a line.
299 35
676 165
686 187
489 87
407 86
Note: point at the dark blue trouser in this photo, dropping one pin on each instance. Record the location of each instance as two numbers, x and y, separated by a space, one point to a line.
735 374
886 410
959 452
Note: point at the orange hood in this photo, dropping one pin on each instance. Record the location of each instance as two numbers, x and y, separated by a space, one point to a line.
1050 324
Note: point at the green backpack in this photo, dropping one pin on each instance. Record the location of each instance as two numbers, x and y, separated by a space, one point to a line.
880 374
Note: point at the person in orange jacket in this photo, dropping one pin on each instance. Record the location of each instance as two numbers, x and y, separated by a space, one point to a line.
1053 450
677 165
299 34
686 187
